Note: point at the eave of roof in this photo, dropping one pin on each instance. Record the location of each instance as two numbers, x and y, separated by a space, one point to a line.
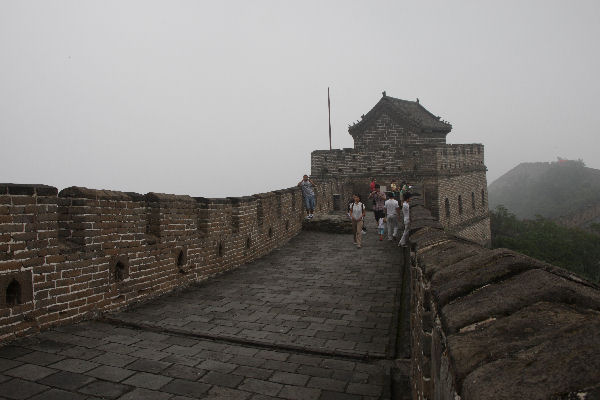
409 111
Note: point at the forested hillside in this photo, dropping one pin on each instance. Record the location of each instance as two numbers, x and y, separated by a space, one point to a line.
570 248
551 189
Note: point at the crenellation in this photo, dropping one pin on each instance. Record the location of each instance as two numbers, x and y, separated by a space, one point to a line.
470 307
86 251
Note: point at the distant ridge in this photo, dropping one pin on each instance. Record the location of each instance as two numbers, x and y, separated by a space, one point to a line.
550 189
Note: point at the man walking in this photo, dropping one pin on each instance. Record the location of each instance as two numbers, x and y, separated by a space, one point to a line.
391 216
308 193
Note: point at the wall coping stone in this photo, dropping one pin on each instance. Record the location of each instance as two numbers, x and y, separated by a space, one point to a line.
265 195
241 199
17 189
136 196
93 194
164 197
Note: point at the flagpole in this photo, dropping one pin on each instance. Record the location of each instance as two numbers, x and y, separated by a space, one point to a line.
329 110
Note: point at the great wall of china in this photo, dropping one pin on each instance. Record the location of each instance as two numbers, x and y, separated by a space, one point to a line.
483 324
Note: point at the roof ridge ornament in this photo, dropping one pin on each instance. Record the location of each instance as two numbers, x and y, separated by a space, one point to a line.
383 93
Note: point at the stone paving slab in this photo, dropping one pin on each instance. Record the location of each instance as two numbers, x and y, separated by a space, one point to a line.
226 373
320 310
319 293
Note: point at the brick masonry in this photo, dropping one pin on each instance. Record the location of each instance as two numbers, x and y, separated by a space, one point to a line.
390 144
290 325
484 324
461 205
495 324
71 255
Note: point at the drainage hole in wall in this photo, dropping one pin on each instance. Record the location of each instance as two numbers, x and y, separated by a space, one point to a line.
13 293
119 272
180 259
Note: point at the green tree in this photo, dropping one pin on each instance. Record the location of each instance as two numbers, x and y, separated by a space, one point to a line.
569 248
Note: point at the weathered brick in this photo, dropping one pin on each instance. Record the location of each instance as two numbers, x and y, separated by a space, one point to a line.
23 200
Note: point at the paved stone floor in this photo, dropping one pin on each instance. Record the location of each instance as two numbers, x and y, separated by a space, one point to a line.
315 319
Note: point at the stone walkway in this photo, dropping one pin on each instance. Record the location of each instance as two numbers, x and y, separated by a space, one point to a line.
315 319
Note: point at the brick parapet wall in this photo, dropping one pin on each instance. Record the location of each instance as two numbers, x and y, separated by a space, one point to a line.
449 174
460 203
477 229
410 161
28 244
495 324
387 148
386 132
70 255
460 157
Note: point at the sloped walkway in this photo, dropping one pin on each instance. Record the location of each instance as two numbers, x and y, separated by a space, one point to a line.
315 319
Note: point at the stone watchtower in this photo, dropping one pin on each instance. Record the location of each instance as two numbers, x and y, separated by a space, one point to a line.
402 140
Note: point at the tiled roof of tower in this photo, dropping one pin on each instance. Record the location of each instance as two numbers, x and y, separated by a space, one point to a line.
411 111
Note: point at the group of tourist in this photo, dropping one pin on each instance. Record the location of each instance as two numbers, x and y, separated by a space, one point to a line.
385 207
386 210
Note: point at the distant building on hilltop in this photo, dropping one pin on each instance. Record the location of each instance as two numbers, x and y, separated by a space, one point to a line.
402 140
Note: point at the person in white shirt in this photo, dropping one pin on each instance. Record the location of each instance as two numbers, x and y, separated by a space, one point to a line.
357 213
406 215
391 215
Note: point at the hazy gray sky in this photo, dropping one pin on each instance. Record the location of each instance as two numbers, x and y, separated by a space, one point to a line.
226 98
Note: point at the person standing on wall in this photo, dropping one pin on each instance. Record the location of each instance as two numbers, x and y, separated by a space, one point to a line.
379 202
391 215
308 193
357 214
406 215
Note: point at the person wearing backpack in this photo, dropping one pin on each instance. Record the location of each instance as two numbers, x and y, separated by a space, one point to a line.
357 214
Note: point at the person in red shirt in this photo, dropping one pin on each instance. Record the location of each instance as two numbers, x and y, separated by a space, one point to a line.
372 188
378 202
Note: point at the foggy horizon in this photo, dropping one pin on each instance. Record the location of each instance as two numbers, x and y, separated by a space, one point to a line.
229 99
